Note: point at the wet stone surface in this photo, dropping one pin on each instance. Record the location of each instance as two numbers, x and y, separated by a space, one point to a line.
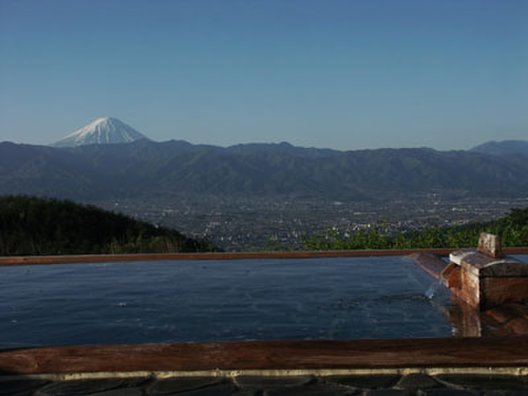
386 392
121 392
81 387
312 389
417 381
178 385
224 389
451 392
20 387
271 382
487 382
360 385
366 381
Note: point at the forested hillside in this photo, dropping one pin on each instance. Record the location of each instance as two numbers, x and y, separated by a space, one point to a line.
513 230
39 226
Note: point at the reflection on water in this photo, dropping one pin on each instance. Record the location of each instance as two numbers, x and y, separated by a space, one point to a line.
352 298
470 322
465 320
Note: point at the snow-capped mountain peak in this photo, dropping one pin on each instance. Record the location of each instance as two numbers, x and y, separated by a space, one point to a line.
104 130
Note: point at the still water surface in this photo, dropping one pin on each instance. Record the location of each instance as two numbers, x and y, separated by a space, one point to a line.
180 301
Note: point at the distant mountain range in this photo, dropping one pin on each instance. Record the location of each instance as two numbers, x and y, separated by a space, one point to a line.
84 165
506 147
144 168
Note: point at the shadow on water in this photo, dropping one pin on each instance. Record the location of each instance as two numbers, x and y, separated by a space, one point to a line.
467 321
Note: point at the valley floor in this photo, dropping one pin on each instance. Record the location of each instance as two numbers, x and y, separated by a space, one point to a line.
250 224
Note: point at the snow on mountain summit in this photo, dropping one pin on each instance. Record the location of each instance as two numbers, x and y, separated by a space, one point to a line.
104 130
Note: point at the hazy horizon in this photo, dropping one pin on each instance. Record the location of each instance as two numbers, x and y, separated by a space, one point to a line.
267 142
334 74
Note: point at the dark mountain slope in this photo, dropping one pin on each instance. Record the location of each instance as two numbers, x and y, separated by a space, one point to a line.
35 226
144 167
505 147
27 169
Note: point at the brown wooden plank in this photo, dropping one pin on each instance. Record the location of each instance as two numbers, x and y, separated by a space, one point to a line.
79 259
430 263
100 258
255 355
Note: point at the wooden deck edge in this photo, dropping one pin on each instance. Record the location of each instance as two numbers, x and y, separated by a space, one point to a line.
271 356
430 263
79 259
103 258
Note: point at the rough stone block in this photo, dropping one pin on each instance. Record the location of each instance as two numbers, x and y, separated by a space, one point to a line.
387 392
485 282
486 382
498 291
225 389
246 392
518 326
418 381
365 381
502 314
16 387
79 387
173 385
490 245
259 382
310 390
451 392
120 392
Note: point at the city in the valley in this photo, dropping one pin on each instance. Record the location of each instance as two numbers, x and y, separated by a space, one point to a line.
241 224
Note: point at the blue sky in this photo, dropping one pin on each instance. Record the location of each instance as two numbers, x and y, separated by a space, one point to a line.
348 74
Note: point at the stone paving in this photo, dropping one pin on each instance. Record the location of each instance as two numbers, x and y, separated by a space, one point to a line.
360 385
